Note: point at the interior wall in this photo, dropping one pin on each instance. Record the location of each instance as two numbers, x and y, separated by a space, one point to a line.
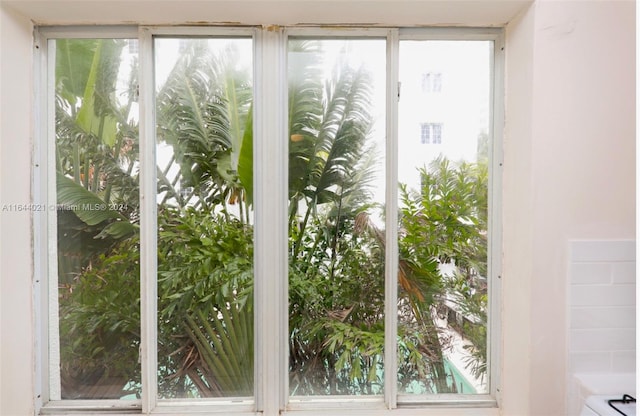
517 212
16 316
584 161
569 174
569 166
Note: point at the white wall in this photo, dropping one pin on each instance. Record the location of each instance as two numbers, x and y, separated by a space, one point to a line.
569 161
16 316
572 112
518 227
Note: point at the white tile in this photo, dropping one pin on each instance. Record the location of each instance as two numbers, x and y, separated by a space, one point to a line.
602 295
623 361
602 317
589 362
602 250
624 272
602 340
606 383
589 273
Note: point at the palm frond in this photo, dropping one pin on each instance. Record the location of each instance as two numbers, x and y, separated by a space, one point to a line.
92 210
223 340
203 111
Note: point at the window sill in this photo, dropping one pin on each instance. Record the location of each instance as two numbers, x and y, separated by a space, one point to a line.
373 406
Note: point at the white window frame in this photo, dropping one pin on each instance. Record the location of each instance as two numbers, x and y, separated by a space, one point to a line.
270 199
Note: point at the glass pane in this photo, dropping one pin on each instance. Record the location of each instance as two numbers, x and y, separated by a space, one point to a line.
205 221
336 196
444 116
96 125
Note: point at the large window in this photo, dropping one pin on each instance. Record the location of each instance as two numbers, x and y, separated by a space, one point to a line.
243 219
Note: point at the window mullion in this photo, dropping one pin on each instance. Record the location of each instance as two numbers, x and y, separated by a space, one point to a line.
148 226
495 215
391 226
44 179
52 230
270 197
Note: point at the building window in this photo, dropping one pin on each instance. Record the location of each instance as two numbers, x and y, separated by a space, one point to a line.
190 271
425 133
436 128
431 82
431 133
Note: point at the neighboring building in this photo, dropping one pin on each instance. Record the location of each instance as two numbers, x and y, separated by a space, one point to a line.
444 103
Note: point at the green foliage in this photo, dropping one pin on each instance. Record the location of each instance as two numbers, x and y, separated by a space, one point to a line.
444 223
204 114
336 274
205 253
245 159
205 311
205 292
336 299
96 149
92 210
100 326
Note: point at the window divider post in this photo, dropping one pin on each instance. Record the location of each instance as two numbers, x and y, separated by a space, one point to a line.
270 197
148 227
391 224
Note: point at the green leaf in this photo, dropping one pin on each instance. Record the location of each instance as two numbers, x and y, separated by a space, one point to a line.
102 125
118 230
245 160
87 206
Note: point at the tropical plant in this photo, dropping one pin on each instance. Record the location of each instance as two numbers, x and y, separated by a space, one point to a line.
336 338
203 108
97 193
205 246
205 285
100 327
204 115
444 223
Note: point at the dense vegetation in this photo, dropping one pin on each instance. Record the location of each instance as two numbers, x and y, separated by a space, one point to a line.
205 243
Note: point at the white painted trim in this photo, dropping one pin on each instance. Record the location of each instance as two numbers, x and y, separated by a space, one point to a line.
337 32
391 223
148 225
41 221
270 199
494 250
51 258
88 32
75 406
450 33
405 411
240 405
449 400
333 403
200 31
258 330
